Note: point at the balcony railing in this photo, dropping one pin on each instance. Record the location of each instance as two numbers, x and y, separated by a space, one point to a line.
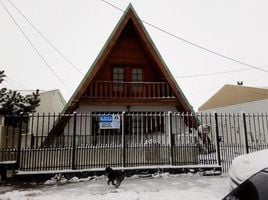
109 89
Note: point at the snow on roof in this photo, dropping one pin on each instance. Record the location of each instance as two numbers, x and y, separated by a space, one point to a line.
234 94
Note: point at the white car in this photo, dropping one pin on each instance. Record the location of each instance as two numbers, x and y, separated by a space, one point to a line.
253 188
246 165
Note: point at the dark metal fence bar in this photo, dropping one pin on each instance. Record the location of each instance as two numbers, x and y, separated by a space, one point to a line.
245 132
123 140
171 139
141 139
74 142
217 140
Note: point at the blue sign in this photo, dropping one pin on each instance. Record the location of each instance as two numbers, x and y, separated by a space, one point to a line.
109 121
106 118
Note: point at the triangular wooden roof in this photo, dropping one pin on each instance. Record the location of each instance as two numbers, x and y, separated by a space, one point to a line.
234 94
129 14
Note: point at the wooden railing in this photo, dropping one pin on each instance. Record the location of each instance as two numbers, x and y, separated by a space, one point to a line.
108 89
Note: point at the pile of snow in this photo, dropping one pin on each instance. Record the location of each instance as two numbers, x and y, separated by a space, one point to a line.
161 175
59 179
247 165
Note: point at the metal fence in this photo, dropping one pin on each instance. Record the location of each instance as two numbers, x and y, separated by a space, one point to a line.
43 142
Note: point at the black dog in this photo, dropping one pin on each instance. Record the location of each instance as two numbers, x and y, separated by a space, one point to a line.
114 177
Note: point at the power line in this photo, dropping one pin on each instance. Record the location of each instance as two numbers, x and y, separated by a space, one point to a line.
32 45
213 73
5 85
53 46
16 82
112 5
7 82
189 42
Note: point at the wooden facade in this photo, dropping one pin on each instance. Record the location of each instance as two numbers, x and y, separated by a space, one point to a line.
128 75
129 71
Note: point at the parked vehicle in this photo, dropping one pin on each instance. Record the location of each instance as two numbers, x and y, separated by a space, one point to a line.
245 166
253 188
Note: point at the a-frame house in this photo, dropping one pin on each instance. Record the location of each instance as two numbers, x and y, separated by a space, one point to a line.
119 114
128 75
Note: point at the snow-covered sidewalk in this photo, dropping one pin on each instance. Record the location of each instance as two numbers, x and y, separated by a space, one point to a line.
158 187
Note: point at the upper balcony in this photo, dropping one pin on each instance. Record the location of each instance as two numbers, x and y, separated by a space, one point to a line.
129 90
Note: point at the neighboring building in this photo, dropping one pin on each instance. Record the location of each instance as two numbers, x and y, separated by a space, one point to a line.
128 75
51 101
237 99
38 125
233 100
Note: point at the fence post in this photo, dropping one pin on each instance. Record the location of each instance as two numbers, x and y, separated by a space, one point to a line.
245 132
19 141
217 139
123 140
171 142
74 141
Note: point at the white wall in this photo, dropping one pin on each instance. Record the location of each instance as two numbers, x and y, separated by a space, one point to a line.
89 109
51 102
250 107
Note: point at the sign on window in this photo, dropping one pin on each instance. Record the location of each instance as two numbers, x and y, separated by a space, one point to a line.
109 121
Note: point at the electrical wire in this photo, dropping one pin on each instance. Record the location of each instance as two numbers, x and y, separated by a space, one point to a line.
189 42
42 35
11 85
32 45
213 73
16 82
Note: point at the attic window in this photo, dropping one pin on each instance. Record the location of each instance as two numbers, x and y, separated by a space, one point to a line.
118 76
137 76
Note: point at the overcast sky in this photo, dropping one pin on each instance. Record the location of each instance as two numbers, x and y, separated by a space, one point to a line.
79 28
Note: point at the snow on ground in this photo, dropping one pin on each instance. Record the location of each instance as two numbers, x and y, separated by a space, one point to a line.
157 187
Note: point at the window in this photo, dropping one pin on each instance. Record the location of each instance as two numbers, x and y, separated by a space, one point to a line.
118 76
137 77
